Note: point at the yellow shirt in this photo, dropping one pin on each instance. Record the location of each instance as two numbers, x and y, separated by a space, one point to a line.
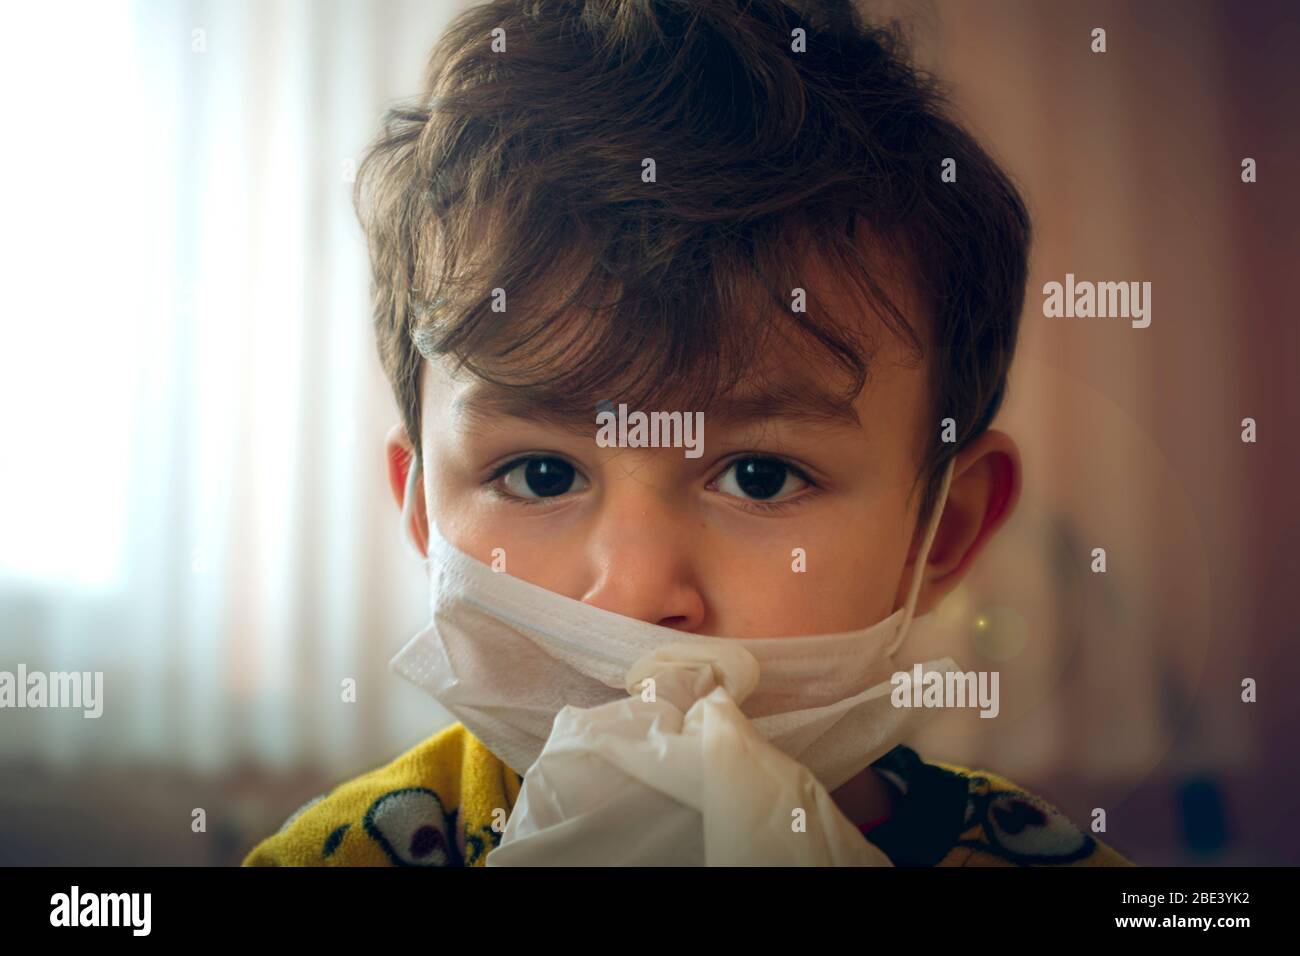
436 805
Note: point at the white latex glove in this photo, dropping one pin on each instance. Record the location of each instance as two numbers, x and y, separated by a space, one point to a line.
681 780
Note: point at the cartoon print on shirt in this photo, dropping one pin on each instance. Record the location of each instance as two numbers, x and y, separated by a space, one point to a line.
1020 828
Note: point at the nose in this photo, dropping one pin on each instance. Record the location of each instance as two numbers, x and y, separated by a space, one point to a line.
642 560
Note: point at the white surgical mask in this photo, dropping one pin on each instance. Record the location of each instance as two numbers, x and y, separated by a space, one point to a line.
505 656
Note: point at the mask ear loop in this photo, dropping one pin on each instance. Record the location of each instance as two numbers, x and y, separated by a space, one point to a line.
918 568
412 479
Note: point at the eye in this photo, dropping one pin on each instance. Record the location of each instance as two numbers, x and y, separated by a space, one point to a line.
540 477
761 479
412 828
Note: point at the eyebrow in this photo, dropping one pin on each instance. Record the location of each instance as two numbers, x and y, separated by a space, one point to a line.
800 402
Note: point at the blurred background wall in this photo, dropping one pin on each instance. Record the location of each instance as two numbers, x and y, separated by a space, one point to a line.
193 496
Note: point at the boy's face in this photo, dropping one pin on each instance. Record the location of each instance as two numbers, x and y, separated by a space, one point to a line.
708 545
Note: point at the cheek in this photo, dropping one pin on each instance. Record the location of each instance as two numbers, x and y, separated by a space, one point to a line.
839 572
534 551
806 584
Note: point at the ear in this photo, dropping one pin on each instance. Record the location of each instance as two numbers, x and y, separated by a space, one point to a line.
984 491
400 453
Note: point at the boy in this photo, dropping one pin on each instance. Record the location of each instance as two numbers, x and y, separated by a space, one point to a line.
754 210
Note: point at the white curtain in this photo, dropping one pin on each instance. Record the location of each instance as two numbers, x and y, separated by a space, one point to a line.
193 497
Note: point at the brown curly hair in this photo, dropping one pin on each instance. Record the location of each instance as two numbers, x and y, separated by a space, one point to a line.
520 169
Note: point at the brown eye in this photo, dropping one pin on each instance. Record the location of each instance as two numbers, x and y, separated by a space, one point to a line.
761 479
542 477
